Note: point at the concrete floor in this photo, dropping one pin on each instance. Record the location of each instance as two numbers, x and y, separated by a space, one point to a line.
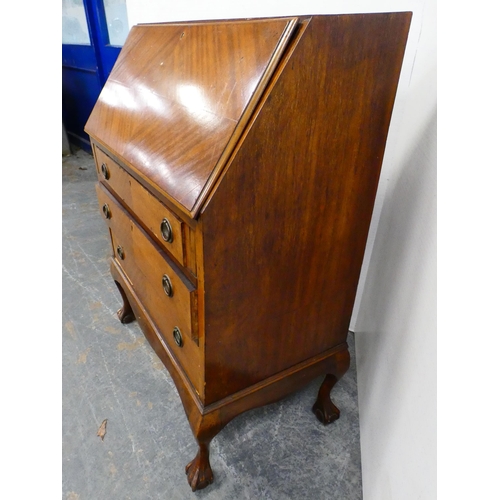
110 372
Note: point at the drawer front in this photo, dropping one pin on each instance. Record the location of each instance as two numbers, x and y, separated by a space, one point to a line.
166 294
158 219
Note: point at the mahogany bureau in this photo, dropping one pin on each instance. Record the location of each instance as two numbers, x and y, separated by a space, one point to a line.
238 163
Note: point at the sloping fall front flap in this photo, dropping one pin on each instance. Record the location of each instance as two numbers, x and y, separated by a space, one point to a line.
180 95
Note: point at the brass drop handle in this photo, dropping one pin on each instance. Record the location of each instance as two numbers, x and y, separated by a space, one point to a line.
178 337
120 252
106 211
166 231
167 286
105 171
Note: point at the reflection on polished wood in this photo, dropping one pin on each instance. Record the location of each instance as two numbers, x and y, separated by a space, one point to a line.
195 81
261 142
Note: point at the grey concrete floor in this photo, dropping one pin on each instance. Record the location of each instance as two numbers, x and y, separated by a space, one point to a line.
110 372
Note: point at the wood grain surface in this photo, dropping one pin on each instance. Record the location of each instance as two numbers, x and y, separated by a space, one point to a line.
145 267
177 94
146 208
285 230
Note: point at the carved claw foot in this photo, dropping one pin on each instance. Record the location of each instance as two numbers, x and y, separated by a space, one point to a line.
199 473
326 412
125 314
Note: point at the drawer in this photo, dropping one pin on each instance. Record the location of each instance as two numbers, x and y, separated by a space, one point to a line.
166 294
157 218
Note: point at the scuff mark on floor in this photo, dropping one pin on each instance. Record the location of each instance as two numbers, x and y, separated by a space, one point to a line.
130 346
157 364
70 328
82 359
112 330
112 469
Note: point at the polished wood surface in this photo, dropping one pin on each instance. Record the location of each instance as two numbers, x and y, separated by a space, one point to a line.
207 421
200 82
145 267
268 176
141 203
285 231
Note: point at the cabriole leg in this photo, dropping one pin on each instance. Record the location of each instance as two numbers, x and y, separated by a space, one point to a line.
324 409
199 473
125 314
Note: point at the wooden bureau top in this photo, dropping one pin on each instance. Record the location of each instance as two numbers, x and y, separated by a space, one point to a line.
180 95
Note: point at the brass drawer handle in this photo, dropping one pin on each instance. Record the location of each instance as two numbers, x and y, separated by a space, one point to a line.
120 252
167 286
178 337
105 171
106 211
166 231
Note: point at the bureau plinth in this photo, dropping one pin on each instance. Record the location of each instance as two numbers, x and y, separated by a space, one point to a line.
237 164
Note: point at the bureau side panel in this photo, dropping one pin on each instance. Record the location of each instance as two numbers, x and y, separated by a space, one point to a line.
285 231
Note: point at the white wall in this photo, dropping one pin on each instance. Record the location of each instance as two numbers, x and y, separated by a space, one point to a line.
396 330
395 312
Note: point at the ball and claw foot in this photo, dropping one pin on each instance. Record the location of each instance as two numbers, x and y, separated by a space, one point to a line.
326 412
198 471
125 315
